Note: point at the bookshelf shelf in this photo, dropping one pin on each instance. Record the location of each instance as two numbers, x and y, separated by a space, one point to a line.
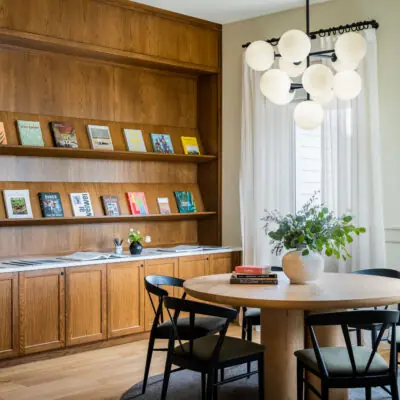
105 219
30 151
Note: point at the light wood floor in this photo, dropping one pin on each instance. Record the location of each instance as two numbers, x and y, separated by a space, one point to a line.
94 375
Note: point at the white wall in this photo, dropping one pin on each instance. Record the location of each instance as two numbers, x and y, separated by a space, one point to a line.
335 12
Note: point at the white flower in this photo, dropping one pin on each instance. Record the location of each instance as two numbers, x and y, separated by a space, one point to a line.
131 230
147 239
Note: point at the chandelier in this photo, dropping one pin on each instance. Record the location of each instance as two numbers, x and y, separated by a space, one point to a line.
323 82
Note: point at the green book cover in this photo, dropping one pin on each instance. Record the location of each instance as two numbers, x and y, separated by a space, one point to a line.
185 202
30 133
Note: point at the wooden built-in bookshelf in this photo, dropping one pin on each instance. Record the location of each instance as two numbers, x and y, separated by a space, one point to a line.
155 71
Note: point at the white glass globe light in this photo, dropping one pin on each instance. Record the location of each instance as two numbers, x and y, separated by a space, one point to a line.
340 66
324 98
317 79
351 47
294 45
308 115
292 69
275 86
347 85
260 55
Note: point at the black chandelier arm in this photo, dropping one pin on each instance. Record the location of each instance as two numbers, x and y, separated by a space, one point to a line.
354 27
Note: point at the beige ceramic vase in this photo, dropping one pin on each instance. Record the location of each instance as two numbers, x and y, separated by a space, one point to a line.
302 269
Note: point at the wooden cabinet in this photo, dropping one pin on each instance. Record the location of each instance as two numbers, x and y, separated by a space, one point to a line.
42 310
86 304
220 264
9 315
167 267
125 294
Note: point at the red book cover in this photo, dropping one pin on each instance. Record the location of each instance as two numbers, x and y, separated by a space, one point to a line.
137 203
252 270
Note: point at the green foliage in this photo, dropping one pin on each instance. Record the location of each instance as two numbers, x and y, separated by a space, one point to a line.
134 236
312 229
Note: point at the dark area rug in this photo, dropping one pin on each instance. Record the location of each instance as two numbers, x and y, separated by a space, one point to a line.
186 385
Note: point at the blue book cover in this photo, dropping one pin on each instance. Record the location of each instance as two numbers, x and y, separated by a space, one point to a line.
185 202
162 143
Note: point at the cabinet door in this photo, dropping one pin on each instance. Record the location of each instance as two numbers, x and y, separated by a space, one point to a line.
191 267
42 310
86 302
125 294
220 263
166 267
8 315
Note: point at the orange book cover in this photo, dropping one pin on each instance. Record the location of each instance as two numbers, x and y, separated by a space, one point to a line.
137 203
252 269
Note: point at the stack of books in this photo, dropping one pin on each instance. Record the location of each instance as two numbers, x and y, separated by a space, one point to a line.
253 275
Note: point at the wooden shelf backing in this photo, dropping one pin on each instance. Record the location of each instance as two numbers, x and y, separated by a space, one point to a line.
30 151
105 219
56 45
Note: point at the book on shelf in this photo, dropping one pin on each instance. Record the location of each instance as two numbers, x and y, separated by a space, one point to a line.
3 136
163 205
100 137
252 269
111 205
64 134
190 145
162 143
30 133
134 140
81 204
50 204
185 202
18 204
137 203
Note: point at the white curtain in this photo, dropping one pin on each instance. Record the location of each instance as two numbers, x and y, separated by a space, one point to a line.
351 164
267 169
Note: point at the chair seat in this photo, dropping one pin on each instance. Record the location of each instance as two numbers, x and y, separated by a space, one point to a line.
202 326
253 313
366 327
232 348
338 363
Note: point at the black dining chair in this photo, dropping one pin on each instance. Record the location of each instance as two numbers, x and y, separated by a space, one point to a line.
373 328
252 318
350 366
161 329
209 354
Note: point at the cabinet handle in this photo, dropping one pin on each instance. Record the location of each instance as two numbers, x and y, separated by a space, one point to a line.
142 265
62 273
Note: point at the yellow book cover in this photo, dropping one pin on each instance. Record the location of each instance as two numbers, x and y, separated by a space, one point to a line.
190 145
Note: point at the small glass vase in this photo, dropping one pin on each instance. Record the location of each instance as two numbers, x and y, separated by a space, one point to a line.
135 248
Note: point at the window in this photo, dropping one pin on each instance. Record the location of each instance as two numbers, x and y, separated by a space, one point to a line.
308 164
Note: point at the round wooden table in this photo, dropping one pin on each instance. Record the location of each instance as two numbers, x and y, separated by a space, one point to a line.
282 315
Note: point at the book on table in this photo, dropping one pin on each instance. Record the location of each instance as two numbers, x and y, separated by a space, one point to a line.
253 275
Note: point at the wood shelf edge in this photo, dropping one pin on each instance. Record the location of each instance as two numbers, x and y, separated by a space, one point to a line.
46 43
31 151
105 219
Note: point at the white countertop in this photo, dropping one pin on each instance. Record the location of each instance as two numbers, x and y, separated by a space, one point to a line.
147 254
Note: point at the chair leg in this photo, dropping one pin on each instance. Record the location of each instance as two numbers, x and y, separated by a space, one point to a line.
222 374
359 337
261 377
249 338
167 374
300 382
210 379
148 363
395 390
324 392
244 327
203 386
368 393
215 387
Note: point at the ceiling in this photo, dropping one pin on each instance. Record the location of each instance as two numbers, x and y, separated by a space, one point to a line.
226 11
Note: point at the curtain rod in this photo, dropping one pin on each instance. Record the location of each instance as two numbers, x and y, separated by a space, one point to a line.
354 27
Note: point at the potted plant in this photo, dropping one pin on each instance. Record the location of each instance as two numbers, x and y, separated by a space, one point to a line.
306 235
135 239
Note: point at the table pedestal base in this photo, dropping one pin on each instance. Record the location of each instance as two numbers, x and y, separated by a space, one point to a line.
282 333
